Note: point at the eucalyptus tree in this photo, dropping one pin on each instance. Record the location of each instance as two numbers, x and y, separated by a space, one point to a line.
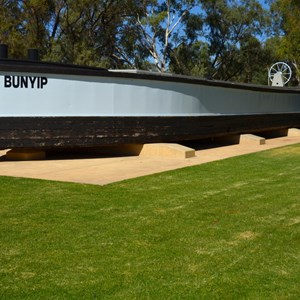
25 24
92 32
191 59
73 31
36 15
286 14
10 24
83 31
231 27
216 39
228 47
160 26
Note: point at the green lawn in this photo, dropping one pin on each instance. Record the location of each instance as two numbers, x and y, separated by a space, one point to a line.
223 230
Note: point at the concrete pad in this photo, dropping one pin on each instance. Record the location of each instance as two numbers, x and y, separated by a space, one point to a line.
103 170
251 139
166 150
293 132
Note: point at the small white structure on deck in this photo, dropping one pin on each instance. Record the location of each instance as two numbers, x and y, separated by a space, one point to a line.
280 74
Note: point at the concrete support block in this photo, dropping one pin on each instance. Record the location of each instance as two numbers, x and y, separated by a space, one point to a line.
25 154
167 150
250 139
293 132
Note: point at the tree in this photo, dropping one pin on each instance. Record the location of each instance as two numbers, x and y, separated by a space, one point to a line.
78 31
160 26
288 18
36 15
215 39
190 59
10 23
230 29
229 47
83 32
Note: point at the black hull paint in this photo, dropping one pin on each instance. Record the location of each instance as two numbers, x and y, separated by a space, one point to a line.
66 132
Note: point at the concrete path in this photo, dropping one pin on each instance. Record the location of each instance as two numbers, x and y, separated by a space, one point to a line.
103 170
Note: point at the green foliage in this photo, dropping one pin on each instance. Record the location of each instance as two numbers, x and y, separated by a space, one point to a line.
160 27
289 21
223 230
222 39
190 59
231 28
10 23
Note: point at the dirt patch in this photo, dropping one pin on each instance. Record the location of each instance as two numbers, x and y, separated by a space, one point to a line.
247 235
